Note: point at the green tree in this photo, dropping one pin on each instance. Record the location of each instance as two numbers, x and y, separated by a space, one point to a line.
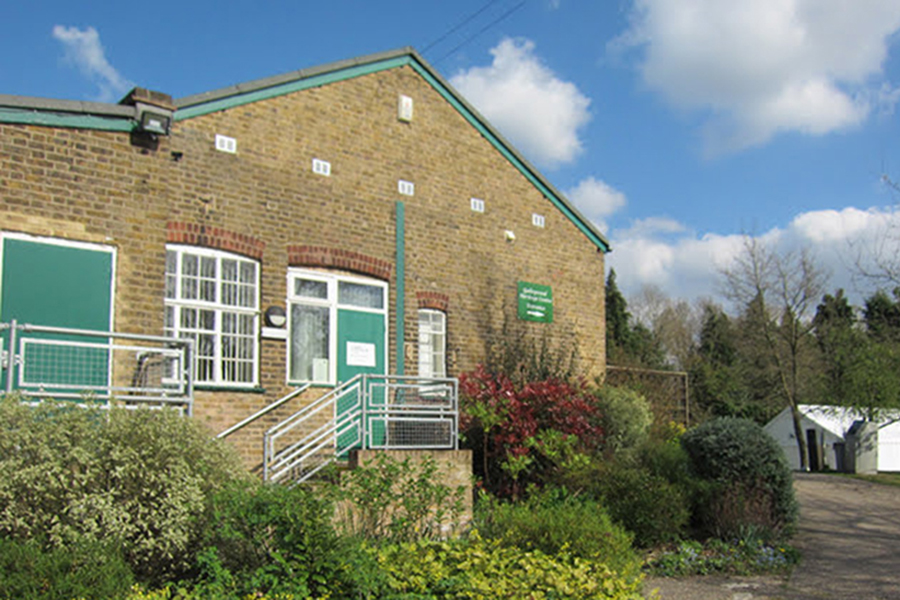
618 328
628 343
715 373
839 341
882 316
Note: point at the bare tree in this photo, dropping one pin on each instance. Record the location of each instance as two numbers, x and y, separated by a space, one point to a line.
876 256
674 323
784 289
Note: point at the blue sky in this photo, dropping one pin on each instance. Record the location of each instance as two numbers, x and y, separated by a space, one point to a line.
676 125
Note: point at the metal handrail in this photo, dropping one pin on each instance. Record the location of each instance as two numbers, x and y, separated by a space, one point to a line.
297 453
176 390
264 411
372 406
329 400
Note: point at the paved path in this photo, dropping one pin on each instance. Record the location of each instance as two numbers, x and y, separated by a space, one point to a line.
849 536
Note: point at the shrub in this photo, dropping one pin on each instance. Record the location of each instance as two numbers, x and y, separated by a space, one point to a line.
272 539
653 509
86 571
665 457
554 521
626 417
134 479
479 569
526 434
752 482
393 500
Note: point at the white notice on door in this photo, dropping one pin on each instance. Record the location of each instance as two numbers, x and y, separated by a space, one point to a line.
360 354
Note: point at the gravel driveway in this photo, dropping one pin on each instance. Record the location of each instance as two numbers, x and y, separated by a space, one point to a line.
849 536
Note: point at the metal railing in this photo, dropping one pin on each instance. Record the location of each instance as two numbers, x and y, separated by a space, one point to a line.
39 361
263 411
367 412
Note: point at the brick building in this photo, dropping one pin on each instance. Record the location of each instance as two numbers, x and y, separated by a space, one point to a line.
300 228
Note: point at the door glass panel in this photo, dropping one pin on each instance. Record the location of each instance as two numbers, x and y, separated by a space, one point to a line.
310 326
361 295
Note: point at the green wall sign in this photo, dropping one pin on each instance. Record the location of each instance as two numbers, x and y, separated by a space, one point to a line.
535 302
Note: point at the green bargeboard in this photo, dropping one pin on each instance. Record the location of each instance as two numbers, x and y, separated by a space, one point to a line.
366 329
58 285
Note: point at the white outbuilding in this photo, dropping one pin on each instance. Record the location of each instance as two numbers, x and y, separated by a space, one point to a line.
826 429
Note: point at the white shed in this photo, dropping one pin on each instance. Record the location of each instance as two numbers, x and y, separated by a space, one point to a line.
825 427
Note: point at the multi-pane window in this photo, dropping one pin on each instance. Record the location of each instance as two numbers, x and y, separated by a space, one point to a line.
432 343
315 299
212 297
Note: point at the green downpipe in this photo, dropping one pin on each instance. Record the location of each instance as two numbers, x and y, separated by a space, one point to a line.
401 286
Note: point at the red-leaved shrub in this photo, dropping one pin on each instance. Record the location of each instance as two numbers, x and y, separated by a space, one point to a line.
524 434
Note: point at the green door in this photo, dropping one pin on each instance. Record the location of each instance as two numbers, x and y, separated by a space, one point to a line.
361 349
60 284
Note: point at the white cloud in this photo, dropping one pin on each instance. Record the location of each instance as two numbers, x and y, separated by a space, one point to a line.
767 66
830 226
685 265
596 200
539 112
84 50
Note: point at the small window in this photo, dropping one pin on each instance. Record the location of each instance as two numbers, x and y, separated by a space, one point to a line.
432 343
307 288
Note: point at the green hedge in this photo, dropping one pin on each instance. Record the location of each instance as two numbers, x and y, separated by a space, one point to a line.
554 521
752 484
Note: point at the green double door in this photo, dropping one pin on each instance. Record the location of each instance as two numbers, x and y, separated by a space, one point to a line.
57 283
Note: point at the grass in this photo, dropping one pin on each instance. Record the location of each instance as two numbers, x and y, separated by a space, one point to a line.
882 478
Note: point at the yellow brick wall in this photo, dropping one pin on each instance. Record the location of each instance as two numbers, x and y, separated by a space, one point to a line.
97 186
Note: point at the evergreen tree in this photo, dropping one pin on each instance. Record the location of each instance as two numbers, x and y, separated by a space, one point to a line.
627 344
882 316
716 384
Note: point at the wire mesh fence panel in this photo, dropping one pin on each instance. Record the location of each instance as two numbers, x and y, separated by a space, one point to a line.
414 432
52 362
667 391
59 364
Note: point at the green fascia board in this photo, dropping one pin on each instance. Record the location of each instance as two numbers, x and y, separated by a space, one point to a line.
259 90
242 98
73 120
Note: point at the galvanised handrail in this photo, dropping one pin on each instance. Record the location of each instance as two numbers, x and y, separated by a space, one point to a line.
175 386
384 412
264 411
314 442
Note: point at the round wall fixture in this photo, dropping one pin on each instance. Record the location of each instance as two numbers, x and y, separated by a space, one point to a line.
275 316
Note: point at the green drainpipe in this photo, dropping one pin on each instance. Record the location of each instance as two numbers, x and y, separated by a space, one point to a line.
401 287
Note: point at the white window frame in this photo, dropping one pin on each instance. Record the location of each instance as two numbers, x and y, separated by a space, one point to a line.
427 368
177 303
332 281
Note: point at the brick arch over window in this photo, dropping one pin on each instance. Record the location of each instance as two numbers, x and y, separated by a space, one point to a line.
347 260
433 300
195 234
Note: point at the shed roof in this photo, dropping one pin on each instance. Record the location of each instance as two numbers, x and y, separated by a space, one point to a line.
835 419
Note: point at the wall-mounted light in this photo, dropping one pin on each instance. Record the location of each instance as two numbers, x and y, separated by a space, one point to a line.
510 235
275 316
157 123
